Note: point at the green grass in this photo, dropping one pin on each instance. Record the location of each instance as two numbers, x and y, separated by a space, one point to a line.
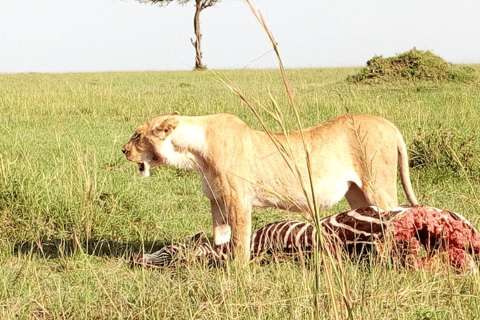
72 207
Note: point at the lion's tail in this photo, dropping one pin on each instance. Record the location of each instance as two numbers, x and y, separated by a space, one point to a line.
404 171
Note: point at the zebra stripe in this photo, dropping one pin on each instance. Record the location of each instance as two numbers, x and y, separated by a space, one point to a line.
335 223
360 217
280 232
292 225
299 235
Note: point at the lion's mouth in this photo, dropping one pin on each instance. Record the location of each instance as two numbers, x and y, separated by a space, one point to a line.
144 169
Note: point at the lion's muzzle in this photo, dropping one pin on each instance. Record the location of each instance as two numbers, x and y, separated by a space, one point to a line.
129 152
125 150
143 166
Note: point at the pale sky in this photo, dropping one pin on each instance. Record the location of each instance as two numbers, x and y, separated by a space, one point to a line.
113 35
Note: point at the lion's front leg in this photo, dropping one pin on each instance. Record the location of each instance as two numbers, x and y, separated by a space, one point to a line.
232 222
240 215
221 229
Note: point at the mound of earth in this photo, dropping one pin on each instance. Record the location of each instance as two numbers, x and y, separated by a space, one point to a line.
413 65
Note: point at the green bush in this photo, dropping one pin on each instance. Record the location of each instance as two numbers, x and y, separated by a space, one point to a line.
444 149
413 65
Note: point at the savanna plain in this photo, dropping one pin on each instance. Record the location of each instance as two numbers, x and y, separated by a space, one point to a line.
72 208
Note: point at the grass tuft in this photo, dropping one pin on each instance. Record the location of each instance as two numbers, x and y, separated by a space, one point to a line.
445 149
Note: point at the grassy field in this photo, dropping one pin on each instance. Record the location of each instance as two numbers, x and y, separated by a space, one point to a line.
72 208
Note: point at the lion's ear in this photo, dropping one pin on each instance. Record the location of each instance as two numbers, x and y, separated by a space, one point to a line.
164 129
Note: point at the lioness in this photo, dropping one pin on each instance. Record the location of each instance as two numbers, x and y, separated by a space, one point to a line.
355 156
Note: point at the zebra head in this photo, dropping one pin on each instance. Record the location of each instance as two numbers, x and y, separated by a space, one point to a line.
167 255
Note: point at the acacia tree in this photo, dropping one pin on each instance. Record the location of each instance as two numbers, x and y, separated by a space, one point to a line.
199 6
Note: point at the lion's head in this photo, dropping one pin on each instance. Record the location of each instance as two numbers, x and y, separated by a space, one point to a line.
149 145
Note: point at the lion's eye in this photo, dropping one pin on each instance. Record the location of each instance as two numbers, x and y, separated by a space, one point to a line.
135 136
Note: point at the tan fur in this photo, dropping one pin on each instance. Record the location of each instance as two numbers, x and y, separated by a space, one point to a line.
355 156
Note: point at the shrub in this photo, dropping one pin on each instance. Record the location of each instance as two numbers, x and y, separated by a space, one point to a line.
413 65
444 149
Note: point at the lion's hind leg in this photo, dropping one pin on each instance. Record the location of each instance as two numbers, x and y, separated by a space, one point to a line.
355 197
371 196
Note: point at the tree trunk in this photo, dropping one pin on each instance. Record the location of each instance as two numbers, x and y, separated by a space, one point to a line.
197 43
